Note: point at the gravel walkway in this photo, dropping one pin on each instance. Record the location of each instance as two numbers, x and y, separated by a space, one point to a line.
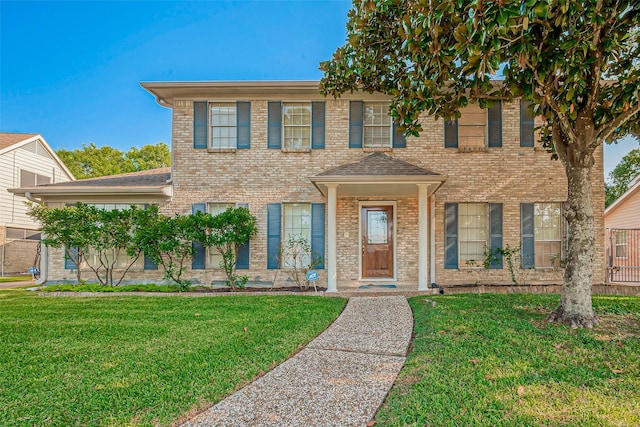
340 379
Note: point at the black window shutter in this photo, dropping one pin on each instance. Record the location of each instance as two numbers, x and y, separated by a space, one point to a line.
317 125
274 137
317 233
199 257
451 133
495 234
200 125
527 251
399 140
242 263
274 225
451 235
495 125
526 125
356 119
243 124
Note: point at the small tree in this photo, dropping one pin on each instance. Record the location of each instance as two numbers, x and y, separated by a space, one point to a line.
297 255
65 228
225 233
83 230
167 241
622 175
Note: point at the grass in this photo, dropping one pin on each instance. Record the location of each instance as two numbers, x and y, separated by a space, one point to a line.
6 279
141 361
95 287
492 360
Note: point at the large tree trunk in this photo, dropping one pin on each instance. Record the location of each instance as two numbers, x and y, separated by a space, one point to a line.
576 307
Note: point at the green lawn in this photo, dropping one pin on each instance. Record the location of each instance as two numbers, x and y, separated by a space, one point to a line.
141 360
492 360
6 279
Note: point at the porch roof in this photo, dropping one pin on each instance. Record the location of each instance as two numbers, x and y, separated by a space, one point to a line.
378 174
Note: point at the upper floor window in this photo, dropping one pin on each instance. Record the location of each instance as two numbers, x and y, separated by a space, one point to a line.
527 125
296 123
296 126
476 128
22 234
31 179
223 125
371 126
377 125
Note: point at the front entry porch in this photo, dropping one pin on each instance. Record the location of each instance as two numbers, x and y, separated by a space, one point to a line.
382 186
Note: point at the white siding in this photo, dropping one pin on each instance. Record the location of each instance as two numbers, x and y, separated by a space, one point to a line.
625 215
32 157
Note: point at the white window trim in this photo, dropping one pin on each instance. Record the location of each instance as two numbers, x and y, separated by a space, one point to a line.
561 240
364 142
365 203
283 146
208 254
210 146
486 242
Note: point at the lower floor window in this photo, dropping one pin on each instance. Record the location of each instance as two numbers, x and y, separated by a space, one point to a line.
621 243
547 234
297 234
214 259
473 223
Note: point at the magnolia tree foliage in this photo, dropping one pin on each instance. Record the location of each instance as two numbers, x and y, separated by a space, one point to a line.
225 233
577 62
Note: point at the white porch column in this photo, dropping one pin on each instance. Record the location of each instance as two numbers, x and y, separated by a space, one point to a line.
432 237
332 270
423 237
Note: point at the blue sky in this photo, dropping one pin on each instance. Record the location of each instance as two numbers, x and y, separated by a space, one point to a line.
70 70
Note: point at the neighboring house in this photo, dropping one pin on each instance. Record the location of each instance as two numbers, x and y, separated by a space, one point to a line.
26 160
377 207
622 225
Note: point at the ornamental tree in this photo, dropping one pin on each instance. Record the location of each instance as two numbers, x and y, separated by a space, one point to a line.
224 233
622 175
576 62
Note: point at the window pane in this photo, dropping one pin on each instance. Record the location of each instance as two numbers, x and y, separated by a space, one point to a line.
377 125
473 231
472 126
297 224
547 234
223 125
377 227
27 179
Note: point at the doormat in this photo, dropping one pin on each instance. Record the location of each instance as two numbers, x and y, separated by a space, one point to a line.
369 286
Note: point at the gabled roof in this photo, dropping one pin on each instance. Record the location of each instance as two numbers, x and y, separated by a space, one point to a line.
634 187
8 139
11 141
377 164
377 174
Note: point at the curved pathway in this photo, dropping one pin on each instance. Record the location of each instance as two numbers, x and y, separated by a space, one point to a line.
340 379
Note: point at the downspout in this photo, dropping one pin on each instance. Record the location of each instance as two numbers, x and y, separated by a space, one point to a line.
43 248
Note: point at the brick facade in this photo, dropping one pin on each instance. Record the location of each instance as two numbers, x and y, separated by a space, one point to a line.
510 175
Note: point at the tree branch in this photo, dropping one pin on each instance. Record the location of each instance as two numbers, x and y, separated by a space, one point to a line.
609 128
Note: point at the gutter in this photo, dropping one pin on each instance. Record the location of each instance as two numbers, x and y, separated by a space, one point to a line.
44 264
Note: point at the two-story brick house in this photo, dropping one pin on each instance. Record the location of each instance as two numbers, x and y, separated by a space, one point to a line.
378 207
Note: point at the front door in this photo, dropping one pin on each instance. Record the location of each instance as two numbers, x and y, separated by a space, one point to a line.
377 242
